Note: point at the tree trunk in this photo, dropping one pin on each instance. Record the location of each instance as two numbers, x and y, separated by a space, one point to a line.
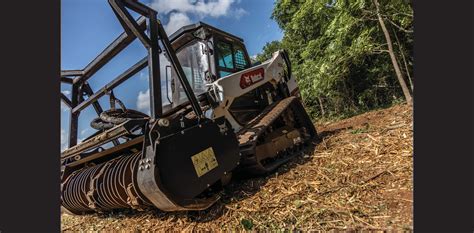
407 71
399 74
400 47
321 106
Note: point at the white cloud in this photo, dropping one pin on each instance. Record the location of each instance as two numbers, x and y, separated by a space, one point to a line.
213 8
181 9
143 98
177 20
239 12
66 92
65 139
143 76
64 107
64 143
84 131
143 101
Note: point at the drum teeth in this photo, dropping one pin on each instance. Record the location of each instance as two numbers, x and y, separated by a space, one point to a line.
103 187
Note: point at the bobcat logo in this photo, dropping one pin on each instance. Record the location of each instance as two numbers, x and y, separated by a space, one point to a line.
251 77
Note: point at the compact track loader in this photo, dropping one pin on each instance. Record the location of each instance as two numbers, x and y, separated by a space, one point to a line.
221 115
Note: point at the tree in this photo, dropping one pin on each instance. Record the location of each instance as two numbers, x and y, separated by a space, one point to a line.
339 52
268 50
400 77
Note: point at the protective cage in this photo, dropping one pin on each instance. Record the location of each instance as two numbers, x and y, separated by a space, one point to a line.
151 168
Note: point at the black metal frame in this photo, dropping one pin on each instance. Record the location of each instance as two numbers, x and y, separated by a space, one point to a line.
133 29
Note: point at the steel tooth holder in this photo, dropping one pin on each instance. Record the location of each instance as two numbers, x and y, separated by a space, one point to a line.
107 186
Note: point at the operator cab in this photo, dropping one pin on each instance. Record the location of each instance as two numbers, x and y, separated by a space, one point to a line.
205 54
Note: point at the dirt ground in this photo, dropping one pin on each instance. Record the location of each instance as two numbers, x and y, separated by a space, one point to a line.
357 176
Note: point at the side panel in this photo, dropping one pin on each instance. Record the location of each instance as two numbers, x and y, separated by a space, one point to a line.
237 84
230 85
189 162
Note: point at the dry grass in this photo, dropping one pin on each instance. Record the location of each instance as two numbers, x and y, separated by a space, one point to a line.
358 177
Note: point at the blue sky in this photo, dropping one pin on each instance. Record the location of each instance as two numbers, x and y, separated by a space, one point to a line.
88 26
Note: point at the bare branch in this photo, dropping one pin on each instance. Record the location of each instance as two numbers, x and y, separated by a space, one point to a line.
400 46
379 51
397 26
401 13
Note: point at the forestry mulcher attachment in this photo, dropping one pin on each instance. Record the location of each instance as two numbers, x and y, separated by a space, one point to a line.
223 116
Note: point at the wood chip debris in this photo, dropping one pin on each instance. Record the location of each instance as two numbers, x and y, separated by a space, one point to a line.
352 180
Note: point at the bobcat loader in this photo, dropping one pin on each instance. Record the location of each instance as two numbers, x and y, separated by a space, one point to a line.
221 115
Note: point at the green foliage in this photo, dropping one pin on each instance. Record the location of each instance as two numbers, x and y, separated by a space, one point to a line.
338 52
268 50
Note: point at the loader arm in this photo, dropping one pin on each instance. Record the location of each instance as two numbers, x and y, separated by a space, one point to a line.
229 88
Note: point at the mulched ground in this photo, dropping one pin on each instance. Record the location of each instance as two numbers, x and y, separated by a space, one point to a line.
358 176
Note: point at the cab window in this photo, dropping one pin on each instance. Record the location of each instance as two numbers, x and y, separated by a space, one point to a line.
225 55
239 55
230 58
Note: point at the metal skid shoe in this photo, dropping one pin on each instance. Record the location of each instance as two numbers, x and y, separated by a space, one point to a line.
177 172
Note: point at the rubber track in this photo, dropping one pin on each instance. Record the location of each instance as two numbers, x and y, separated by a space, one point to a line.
249 135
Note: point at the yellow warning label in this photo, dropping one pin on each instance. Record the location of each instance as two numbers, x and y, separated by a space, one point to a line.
204 161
